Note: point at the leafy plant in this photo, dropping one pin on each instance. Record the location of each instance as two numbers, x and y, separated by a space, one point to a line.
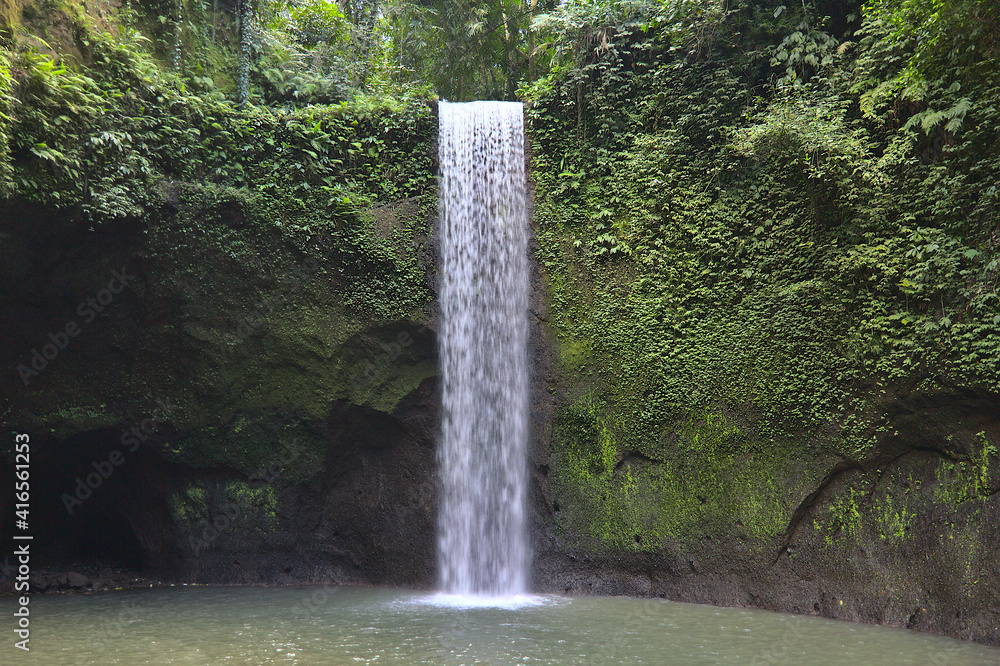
807 50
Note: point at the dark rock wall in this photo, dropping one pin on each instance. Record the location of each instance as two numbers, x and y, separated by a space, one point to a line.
222 415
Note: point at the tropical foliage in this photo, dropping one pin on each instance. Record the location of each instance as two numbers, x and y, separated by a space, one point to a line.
754 214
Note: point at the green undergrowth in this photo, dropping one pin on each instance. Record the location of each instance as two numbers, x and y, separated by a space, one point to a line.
104 140
270 236
254 189
780 234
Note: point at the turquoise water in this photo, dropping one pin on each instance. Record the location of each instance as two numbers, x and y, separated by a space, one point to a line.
354 625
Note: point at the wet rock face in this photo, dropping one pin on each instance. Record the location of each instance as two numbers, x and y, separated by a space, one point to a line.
904 539
359 508
925 588
367 514
52 581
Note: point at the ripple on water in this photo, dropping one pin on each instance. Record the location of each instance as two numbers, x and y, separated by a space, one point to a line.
513 602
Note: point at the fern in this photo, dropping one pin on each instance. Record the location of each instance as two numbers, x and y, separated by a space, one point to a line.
930 119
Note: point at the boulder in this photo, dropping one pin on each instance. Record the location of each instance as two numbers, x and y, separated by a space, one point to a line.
77 581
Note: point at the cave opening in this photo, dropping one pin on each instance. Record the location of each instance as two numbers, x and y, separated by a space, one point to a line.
92 503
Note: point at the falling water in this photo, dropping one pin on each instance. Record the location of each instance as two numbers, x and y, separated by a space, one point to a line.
246 40
484 298
178 25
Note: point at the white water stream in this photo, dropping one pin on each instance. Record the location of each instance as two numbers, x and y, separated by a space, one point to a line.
484 300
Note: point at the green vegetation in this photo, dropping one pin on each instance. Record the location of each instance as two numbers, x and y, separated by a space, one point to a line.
303 222
105 141
748 218
117 142
967 480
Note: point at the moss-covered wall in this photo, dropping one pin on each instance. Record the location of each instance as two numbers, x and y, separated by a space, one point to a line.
745 276
10 14
773 290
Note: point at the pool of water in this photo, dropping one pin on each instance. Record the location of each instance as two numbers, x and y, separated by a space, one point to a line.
356 625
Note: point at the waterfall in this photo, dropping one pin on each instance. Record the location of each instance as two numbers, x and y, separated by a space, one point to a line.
246 40
178 25
483 343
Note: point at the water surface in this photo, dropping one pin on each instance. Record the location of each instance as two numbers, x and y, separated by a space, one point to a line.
351 626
